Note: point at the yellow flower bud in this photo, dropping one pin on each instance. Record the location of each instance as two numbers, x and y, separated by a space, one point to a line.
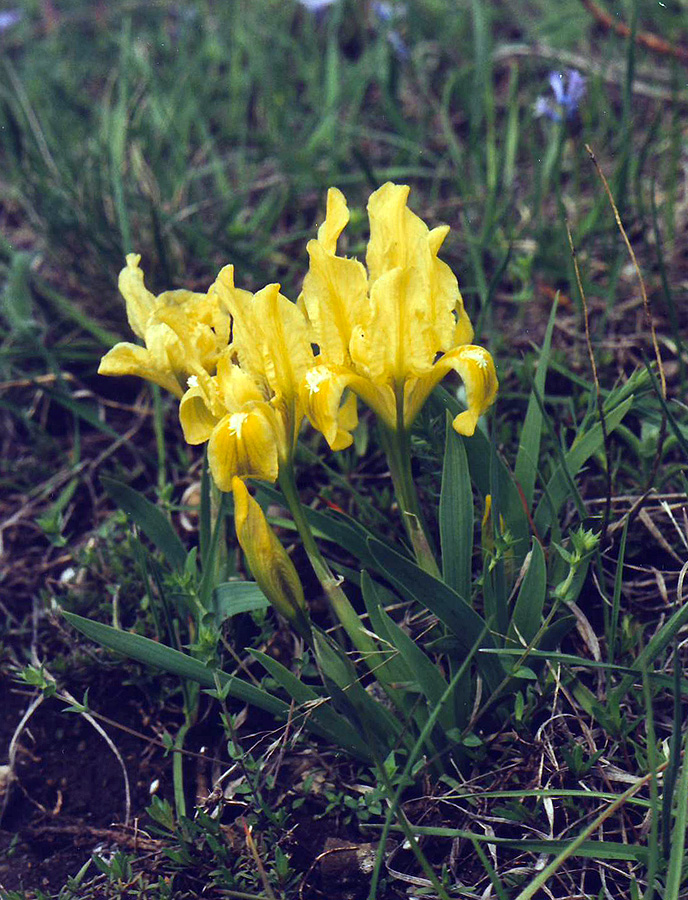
268 560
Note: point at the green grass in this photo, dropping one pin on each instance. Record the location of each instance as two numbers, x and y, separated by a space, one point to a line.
199 135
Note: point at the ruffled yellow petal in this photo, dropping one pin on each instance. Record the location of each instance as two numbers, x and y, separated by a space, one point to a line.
285 341
200 410
395 342
271 339
184 332
269 562
335 296
336 220
477 371
130 359
321 397
200 324
236 387
335 289
239 304
348 413
400 239
463 333
168 352
244 444
321 394
140 302
395 232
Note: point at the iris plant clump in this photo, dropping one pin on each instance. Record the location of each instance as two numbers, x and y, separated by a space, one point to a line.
248 368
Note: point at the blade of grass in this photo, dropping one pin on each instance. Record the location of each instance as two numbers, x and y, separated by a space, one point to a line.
456 515
525 469
118 139
583 447
234 597
393 809
462 620
653 849
210 572
613 624
671 773
159 656
583 848
669 301
151 520
382 730
479 456
526 616
655 647
316 706
419 668
675 872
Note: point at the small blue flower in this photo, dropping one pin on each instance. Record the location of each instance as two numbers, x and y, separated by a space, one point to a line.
387 14
568 89
10 18
384 10
315 6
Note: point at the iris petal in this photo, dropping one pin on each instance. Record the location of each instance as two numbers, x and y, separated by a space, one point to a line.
130 359
335 289
321 395
243 444
140 302
476 368
198 413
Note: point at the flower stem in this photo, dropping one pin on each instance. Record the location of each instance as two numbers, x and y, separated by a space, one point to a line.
396 444
330 583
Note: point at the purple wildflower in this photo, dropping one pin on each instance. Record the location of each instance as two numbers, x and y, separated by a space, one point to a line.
387 14
568 89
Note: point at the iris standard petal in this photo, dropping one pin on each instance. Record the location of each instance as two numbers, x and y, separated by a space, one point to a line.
184 332
395 342
284 339
243 444
395 232
245 328
400 239
335 289
335 296
270 335
202 331
336 220
235 386
140 302
168 352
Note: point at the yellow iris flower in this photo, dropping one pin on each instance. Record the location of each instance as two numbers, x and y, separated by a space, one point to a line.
183 332
391 333
250 412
